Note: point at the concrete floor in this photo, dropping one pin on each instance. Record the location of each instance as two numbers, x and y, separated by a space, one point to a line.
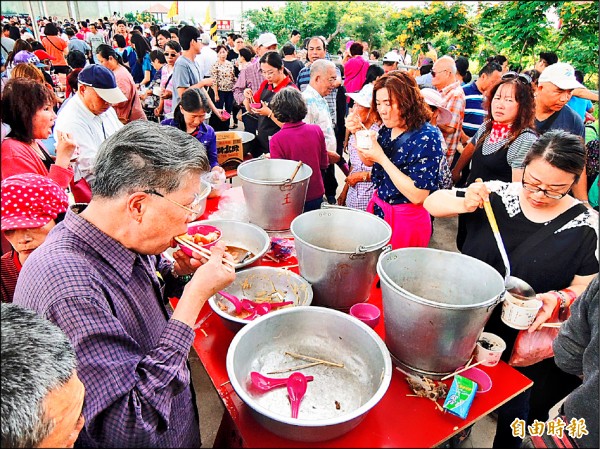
211 408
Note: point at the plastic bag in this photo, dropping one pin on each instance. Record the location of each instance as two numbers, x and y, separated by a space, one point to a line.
533 347
217 180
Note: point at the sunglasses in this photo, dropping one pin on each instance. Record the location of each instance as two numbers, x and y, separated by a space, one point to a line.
524 78
171 54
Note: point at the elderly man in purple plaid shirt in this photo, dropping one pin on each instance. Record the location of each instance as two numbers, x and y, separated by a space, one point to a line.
98 277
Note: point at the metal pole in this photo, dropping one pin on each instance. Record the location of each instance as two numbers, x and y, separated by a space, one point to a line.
36 31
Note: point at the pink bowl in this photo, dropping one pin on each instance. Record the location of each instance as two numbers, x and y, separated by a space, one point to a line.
256 105
225 114
201 229
480 377
367 313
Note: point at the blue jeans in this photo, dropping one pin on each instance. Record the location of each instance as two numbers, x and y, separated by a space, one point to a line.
313 204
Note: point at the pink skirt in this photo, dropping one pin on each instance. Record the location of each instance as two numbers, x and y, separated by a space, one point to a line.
411 223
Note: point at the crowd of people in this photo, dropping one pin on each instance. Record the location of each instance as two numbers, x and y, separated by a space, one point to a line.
107 127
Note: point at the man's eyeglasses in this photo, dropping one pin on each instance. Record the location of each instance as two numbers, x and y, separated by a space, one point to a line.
523 77
549 193
192 208
434 73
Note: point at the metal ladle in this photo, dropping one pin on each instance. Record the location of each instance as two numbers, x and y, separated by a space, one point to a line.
513 284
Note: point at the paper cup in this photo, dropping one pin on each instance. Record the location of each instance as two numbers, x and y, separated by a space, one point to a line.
363 139
489 349
519 314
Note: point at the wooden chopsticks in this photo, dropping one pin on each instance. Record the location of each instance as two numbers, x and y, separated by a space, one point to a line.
199 249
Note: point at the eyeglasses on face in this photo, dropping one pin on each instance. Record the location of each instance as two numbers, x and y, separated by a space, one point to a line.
171 54
192 208
532 188
523 77
434 73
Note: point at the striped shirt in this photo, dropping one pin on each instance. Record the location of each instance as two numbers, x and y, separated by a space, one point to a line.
131 357
474 112
516 151
454 101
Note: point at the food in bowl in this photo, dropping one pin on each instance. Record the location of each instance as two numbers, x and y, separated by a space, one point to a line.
202 239
201 235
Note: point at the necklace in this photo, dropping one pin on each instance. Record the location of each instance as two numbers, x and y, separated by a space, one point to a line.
36 148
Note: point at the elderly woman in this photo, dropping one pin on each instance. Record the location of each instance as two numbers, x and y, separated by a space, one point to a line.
559 265
27 107
299 141
359 187
189 117
405 156
26 224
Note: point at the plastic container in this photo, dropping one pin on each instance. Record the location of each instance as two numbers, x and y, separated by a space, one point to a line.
363 139
201 229
489 349
256 105
226 115
480 377
367 313
519 314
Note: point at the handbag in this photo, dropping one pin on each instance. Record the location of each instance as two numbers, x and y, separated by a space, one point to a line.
530 348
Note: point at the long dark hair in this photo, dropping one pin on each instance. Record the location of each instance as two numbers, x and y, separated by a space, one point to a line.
273 58
106 51
192 100
120 40
523 93
141 46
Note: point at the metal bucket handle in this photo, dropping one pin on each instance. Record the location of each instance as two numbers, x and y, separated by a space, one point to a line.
333 206
362 250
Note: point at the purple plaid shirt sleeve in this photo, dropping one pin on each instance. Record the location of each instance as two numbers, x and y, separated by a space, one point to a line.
249 77
132 358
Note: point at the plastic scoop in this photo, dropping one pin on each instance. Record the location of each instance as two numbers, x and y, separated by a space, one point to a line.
265 383
233 300
262 308
296 387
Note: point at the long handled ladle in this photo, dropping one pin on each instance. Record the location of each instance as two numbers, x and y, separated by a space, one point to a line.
291 178
513 284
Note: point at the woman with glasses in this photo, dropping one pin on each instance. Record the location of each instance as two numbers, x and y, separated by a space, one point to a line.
559 264
189 116
165 106
276 78
405 155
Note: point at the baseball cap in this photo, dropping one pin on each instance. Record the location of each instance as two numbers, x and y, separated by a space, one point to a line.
434 98
24 57
103 81
561 74
266 40
364 96
391 56
42 55
30 200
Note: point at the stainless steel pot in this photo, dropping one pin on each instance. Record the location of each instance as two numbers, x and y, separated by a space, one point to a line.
272 200
435 305
357 387
337 250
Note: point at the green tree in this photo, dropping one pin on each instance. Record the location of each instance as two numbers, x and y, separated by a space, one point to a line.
365 21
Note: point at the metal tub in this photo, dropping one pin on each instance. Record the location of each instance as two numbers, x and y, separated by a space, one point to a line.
261 279
357 387
272 200
337 250
435 305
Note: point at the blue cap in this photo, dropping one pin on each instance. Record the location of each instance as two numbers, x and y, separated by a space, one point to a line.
103 81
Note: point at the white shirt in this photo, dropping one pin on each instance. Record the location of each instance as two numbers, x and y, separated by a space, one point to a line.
88 131
318 114
206 59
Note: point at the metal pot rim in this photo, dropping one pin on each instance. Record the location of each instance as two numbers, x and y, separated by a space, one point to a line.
349 417
281 182
386 279
374 247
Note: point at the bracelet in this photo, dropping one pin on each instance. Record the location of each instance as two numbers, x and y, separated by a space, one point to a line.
571 296
560 299
270 114
183 277
563 299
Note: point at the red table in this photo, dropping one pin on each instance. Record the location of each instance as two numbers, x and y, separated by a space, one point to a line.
396 421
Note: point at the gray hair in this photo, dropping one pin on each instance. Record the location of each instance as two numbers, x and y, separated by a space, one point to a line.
37 357
320 67
145 155
449 62
288 105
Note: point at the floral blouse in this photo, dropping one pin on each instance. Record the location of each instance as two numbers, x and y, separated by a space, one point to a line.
223 75
418 157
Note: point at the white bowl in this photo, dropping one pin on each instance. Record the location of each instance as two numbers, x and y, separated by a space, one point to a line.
489 357
519 314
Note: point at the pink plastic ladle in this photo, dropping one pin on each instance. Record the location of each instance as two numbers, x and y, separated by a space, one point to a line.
265 383
296 387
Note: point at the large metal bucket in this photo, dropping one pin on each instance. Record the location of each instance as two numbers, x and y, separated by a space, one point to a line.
435 305
337 250
272 200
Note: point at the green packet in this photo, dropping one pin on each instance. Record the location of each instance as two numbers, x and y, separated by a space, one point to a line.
460 397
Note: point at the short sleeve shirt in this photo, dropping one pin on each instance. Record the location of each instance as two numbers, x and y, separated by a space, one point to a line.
185 74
